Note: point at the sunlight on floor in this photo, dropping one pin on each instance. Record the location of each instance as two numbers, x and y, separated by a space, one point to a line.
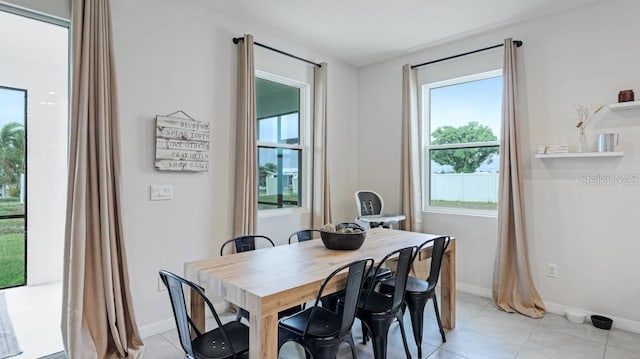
35 314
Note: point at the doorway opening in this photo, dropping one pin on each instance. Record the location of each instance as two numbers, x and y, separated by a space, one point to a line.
34 113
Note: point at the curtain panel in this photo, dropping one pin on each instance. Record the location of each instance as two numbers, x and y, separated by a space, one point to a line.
513 287
321 199
97 311
410 160
245 220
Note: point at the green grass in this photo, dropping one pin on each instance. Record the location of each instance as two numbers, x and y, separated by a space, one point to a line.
12 265
274 199
12 245
466 205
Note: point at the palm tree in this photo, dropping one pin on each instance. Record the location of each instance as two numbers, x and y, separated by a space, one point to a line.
12 142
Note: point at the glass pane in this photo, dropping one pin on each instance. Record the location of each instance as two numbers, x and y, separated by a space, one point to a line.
12 251
279 183
12 186
466 112
464 178
289 132
268 129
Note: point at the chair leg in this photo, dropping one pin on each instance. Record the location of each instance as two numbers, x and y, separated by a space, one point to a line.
435 306
352 344
416 304
379 328
365 332
322 349
404 337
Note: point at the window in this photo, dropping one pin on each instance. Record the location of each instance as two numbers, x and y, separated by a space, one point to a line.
462 142
280 134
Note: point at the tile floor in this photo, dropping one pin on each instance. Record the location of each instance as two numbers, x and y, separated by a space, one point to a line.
35 315
481 332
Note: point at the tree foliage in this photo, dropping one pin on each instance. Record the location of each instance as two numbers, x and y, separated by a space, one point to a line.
463 160
12 143
265 170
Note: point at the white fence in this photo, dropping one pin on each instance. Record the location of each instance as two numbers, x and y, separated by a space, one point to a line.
465 187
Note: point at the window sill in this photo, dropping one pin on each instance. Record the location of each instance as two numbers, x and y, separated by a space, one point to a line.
462 212
280 212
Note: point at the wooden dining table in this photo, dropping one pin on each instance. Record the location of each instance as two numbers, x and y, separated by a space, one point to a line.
266 281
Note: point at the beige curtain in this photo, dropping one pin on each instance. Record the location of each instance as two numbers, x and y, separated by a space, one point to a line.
97 311
410 165
321 205
513 288
245 220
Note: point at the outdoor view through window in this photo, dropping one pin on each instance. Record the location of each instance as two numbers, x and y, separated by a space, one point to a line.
463 117
279 145
13 111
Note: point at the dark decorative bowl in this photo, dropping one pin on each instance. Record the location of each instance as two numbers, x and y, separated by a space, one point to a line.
343 241
601 322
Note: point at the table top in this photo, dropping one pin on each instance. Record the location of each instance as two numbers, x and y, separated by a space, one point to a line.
266 272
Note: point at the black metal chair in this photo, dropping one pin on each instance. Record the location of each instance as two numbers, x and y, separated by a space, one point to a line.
304 235
245 243
377 311
320 330
230 340
418 291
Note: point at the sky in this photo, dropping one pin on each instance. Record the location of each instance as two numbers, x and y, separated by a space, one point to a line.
457 105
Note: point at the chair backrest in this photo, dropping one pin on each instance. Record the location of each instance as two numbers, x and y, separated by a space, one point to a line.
440 245
304 235
369 203
355 279
245 243
175 289
405 258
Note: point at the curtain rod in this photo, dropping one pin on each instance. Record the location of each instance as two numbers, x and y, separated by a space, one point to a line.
236 40
518 43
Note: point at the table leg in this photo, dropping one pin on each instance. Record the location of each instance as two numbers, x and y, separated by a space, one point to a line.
263 336
197 311
448 287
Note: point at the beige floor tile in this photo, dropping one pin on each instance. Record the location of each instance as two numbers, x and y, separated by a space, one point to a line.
560 324
157 347
622 339
512 328
615 353
548 343
474 345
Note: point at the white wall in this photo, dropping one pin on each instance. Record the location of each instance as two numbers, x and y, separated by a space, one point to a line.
180 57
583 56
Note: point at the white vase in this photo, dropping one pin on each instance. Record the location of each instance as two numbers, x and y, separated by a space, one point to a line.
582 146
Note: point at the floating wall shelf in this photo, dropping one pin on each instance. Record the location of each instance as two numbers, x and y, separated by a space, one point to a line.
623 106
579 154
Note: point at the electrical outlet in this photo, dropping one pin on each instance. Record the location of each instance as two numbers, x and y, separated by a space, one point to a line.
161 286
552 270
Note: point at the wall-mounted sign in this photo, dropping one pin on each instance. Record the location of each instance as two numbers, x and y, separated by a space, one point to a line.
182 144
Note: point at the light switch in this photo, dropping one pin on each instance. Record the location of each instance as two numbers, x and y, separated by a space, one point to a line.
161 192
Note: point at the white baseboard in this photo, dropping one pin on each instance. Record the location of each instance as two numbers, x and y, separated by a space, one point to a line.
618 322
472 289
164 325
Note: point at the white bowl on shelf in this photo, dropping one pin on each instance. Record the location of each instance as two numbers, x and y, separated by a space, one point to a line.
575 315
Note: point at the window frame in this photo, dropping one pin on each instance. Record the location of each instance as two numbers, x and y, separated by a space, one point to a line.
426 146
304 135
